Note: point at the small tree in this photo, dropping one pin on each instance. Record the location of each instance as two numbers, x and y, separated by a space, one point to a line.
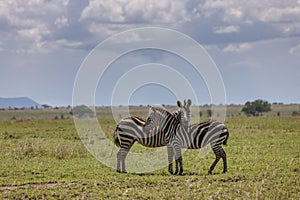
82 111
200 114
256 107
209 112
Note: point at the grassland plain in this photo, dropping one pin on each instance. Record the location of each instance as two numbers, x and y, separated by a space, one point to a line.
45 159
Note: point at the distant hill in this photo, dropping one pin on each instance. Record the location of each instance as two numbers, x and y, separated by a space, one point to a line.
18 102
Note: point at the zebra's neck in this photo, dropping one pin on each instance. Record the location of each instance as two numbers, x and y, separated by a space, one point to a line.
176 114
184 127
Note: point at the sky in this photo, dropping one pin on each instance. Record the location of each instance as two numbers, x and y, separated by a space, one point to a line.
254 44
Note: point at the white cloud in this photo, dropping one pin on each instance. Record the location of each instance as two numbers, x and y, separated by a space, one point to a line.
43 22
236 47
217 4
1 48
226 29
295 50
104 10
236 13
32 39
154 12
65 2
277 14
291 28
106 30
61 22
35 34
105 18
250 21
30 22
68 43
243 11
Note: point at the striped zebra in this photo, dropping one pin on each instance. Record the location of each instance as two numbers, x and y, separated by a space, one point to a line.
134 129
196 136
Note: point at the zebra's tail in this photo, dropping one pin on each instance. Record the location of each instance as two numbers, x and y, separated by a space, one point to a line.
226 133
117 139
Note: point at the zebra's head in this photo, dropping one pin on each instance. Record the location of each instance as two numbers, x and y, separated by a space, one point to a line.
185 112
160 117
157 115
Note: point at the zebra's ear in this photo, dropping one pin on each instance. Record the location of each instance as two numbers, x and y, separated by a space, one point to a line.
151 110
179 104
189 102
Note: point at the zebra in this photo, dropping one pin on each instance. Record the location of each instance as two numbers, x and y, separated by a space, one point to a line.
196 136
199 135
132 129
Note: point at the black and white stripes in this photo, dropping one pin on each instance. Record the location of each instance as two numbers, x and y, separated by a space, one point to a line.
174 131
199 135
133 129
195 136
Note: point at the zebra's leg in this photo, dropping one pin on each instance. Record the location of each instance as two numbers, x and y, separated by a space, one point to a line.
217 152
121 159
176 165
223 155
170 158
178 158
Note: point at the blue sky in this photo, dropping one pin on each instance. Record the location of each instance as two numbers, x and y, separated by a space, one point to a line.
255 45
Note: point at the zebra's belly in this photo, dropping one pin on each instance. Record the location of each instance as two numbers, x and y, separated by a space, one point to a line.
190 146
153 146
152 142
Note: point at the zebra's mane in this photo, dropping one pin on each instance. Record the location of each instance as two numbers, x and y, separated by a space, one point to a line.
161 111
176 114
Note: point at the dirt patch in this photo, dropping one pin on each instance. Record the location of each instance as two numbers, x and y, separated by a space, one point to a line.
35 185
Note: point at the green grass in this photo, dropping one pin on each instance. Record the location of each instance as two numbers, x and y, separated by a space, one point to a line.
45 159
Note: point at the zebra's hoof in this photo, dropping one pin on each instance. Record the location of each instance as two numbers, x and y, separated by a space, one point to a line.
119 171
224 172
209 172
180 172
171 172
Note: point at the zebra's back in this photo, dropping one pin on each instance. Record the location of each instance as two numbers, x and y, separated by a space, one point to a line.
131 129
199 135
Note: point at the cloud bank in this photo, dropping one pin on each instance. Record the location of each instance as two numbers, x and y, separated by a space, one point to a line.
37 25
37 33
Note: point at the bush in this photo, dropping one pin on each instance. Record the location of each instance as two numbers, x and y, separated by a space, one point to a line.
295 113
256 108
